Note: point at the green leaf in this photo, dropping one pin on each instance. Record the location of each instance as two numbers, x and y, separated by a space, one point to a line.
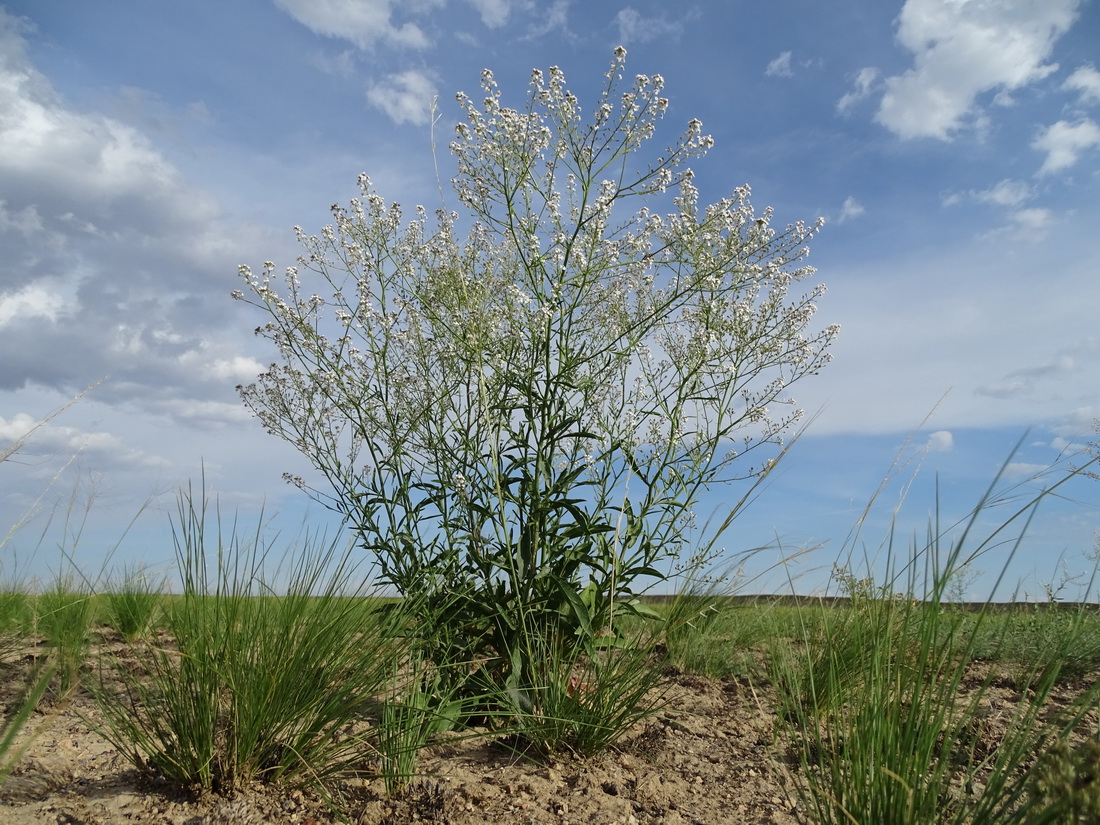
579 609
640 609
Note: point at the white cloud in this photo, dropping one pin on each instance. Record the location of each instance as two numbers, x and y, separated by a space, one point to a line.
1028 223
1064 142
851 209
198 111
95 153
1023 469
963 48
780 67
494 13
406 96
206 414
361 22
26 221
634 28
237 368
32 301
861 87
1006 193
94 162
941 441
1080 422
14 428
70 441
113 262
201 359
1085 81
557 17
1034 219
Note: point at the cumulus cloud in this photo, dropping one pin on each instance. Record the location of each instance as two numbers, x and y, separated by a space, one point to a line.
494 13
780 67
1006 193
851 209
363 23
340 65
405 97
68 441
963 49
1086 82
556 16
35 300
207 415
111 262
1029 222
103 169
636 28
1034 219
941 441
27 222
1065 142
230 370
862 86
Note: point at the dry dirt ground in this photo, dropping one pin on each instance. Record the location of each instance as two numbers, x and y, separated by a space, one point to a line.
709 759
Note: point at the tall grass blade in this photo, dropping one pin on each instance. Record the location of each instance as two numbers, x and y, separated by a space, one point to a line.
270 670
882 704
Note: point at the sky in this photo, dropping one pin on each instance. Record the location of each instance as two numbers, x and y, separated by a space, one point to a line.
952 146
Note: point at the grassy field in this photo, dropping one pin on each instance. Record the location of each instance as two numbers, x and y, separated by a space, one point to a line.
881 708
274 685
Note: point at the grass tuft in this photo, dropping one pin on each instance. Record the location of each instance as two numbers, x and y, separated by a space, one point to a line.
63 615
259 685
585 698
883 709
132 605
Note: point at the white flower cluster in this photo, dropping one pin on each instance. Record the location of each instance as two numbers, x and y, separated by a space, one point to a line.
563 331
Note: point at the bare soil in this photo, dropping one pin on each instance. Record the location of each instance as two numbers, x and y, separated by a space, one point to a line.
710 758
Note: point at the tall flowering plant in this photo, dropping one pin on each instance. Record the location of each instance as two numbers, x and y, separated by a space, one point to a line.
517 405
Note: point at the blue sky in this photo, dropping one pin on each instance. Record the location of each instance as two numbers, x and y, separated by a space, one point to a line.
952 146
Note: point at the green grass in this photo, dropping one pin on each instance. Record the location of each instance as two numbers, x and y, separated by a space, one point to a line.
261 684
63 614
881 710
1051 638
883 713
240 681
421 704
133 603
716 637
278 665
583 699
17 716
16 619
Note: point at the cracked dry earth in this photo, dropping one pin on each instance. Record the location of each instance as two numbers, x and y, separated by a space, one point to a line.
708 759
